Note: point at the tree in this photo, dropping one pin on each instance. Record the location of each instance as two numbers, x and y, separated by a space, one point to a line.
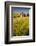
28 14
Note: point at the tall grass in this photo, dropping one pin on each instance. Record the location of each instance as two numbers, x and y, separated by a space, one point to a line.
21 26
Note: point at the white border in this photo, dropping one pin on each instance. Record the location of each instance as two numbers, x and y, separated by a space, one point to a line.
15 38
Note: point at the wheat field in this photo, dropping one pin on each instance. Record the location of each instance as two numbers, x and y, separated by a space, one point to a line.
21 26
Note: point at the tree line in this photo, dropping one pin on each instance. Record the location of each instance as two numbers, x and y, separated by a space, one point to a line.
21 14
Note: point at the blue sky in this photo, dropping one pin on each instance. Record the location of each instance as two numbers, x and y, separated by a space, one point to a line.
20 10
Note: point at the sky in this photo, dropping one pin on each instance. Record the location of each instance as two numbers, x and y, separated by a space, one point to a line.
20 10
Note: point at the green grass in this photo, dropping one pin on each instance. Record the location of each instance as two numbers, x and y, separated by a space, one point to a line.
21 26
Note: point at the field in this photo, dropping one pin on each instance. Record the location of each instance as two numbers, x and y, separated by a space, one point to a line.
20 26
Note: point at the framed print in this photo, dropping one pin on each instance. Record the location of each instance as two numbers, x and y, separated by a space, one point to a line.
20 22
